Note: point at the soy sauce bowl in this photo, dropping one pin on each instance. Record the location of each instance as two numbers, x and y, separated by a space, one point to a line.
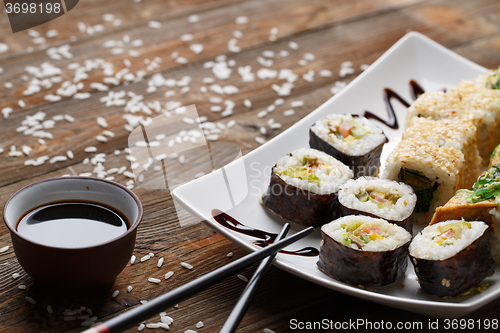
74 270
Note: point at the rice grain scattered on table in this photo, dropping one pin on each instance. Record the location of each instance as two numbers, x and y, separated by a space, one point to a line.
186 265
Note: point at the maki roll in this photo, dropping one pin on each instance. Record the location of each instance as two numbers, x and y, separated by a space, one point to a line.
451 257
380 198
354 141
435 173
362 250
481 202
304 186
452 133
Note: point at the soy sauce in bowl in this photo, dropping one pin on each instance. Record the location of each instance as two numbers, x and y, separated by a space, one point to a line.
72 224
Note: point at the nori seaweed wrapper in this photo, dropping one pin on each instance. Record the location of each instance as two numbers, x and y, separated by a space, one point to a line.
363 165
298 205
406 224
458 274
366 268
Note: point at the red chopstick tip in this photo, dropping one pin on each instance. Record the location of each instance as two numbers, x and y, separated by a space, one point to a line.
99 328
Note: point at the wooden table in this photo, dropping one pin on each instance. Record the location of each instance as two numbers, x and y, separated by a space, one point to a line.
333 31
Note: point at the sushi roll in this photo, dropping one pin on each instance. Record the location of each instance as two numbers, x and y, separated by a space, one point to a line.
381 198
363 251
452 133
304 185
435 173
354 141
490 80
478 203
451 257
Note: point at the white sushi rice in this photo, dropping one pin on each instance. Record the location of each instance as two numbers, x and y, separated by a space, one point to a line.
397 236
331 177
401 210
358 147
424 247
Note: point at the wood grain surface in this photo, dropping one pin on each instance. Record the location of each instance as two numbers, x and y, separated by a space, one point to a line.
333 31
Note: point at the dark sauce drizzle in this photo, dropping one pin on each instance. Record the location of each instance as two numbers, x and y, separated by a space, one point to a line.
415 90
265 238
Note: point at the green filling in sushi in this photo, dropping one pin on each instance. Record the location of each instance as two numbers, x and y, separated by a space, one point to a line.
381 199
305 172
487 186
493 81
423 187
448 234
361 233
346 130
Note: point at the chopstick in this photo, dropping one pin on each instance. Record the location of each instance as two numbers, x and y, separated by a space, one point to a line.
160 303
243 302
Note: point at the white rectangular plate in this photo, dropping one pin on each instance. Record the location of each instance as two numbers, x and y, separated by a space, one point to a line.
236 188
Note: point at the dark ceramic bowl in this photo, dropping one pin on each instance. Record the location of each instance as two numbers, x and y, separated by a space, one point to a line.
74 270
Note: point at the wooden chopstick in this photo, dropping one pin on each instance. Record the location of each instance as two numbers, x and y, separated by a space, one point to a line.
243 302
136 315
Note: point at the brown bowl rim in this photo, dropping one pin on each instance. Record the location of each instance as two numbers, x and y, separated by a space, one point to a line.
133 225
